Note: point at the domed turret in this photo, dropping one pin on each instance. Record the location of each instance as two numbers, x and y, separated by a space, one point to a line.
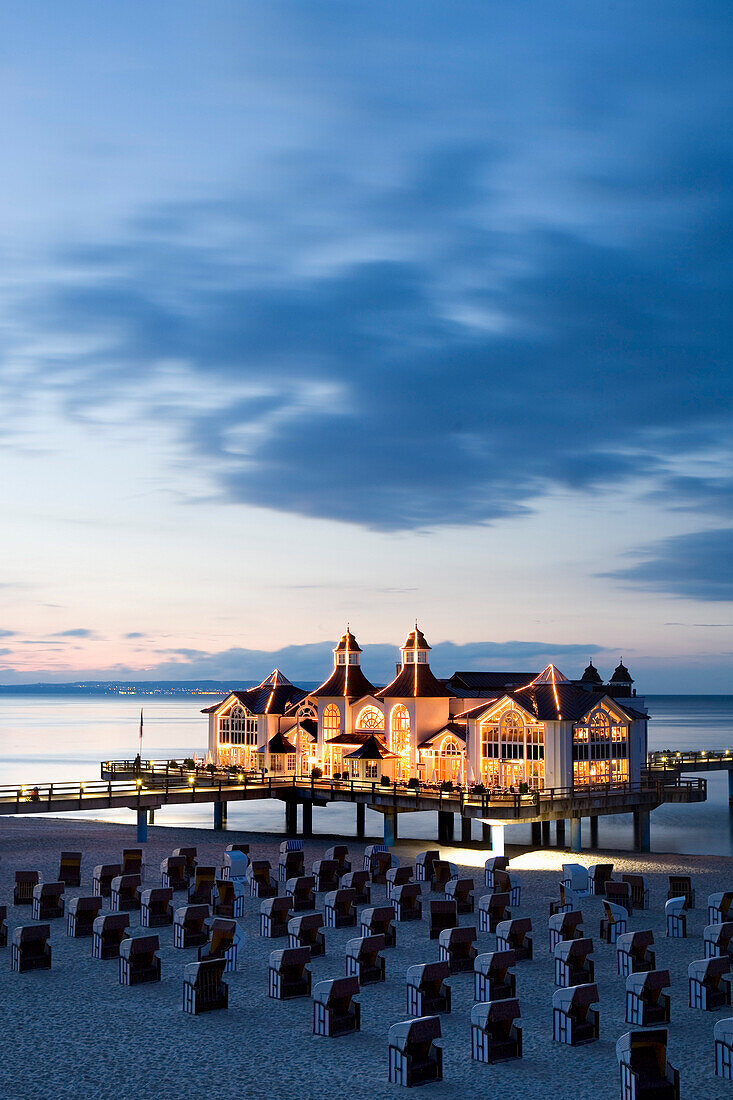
591 676
347 651
621 681
415 648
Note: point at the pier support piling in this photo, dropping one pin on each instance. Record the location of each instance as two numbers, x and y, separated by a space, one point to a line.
642 831
575 834
536 834
730 787
142 826
445 826
594 832
360 820
560 832
390 827
307 819
291 817
220 815
151 817
465 830
486 834
545 834
497 845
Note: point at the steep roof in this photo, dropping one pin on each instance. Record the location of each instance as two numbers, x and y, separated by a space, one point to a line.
415 640
415 681
280 744
370 750
548 702
621 674
473 684
458 729
273 696
591 675
348 644
345 682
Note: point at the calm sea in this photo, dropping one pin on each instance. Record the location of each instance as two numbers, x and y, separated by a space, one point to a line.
53 739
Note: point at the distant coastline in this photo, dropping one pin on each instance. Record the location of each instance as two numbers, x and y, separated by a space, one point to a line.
133 687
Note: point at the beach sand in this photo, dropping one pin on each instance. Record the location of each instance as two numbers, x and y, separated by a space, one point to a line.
75 1032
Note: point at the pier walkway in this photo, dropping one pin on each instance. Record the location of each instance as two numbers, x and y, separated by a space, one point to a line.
671 762
153 784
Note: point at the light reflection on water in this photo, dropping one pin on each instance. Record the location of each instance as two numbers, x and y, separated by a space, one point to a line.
56 739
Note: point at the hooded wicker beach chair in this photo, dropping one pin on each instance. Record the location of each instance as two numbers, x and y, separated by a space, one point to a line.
709 983
363 959
261 882
235 865
645 1072
102 876
3 926
565 926
108 932
302 892
723 1036
407 901
125 891
139 960
70 868
456 946
619 893
646 1003
443 914
575 878
574 1021
306 930
676 918
682 884
492 910
189 854
48 901
204 988
201 885
598 875
274 917
443 872
189 926
156 907
491 866
514 935
424 864
224 940
493 980
414 1055
335 1008
460 890
289 973
720 907
31 949
569 901
634 952
380 921
495 1034
573 962
173 875
228 898
639 891
326 874
340 909
428 992
132 861
397 876
25 883
614 923
340 853
718 940
292 860
359 881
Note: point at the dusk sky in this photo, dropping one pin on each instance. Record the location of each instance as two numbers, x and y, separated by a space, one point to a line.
316 312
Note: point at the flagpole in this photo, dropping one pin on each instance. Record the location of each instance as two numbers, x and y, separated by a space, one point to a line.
141 734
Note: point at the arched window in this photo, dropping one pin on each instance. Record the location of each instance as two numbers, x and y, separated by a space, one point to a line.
400 729
331 722
399 721
450 747
599 728
370 718
512 727
307 712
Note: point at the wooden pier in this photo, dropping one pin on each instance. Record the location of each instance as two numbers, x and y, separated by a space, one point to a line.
151 784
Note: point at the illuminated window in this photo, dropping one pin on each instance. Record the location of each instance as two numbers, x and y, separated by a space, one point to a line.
370 718
600 751
371 769
237 728
422 658
331 724
400 739
512 751
341 658
353 658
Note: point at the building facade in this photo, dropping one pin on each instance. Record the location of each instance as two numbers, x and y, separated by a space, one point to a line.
500 729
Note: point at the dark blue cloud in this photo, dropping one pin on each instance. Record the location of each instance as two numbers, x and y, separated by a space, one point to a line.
76 632
502 269
698 566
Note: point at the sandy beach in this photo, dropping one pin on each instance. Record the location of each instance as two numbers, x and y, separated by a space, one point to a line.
74 1031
